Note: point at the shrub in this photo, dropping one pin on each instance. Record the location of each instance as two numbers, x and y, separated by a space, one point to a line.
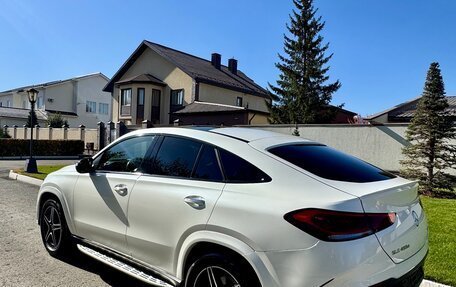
3 134
16 147
56 121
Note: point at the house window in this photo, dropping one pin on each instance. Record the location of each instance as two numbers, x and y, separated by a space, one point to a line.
239 101
91 107
125 102
141 94
8 103
177 99
40 103
103 109
155 106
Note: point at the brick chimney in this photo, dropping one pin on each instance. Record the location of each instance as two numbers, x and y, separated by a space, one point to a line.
216 60
232 65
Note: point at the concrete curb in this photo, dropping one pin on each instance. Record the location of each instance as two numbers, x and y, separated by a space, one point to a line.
24 178
427 283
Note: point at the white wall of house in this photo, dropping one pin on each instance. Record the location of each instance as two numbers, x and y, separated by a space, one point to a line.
90 89
59 97
70 97
6 100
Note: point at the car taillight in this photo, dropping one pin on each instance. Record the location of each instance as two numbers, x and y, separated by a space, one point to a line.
329 225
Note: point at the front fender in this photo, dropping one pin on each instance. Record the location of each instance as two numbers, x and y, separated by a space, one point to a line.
258 261
50 189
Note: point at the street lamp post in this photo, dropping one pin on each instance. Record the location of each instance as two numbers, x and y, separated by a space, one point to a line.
30 163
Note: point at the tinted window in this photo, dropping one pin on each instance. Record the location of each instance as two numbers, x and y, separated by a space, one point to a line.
207 167
125 156
330 163
176 157
238 170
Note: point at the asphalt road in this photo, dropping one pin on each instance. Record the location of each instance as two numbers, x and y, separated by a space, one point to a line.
23 259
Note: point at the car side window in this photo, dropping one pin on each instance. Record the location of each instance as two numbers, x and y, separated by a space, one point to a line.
176 157
207 167
238 170
126 156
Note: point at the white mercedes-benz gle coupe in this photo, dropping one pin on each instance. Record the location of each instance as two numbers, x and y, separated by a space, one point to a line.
236 207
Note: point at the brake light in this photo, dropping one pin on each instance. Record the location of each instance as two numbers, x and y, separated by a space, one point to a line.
329 225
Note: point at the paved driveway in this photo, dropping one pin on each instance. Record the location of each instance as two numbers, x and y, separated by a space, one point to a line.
23 259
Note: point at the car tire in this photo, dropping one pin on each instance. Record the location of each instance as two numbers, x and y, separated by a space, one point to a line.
54 230
221 269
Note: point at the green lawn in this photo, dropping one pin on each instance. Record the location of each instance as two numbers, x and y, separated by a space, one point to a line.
43 171
441 261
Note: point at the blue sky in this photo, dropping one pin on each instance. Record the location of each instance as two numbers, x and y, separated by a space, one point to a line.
382 49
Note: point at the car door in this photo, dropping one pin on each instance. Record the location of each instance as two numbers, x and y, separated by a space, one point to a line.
101 197
174 200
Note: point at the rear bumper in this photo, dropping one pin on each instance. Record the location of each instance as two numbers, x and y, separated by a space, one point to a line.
413 278
358 263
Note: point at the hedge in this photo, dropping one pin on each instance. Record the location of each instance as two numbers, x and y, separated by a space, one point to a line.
16 147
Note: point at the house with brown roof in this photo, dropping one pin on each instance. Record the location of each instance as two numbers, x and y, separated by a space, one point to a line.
164 85
404 112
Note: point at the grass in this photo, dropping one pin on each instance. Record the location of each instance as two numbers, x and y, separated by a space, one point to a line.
43 171
440 264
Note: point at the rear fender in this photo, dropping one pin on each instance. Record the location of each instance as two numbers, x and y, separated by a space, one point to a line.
259 263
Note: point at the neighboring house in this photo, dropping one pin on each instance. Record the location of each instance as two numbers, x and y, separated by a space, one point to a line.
404 112
18 117
341 116
163 85
80 100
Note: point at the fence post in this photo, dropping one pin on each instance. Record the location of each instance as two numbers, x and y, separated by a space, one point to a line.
65 132
14 132
82 132
146 124
37 132
50 132
25 132
100 135
110 127
121 129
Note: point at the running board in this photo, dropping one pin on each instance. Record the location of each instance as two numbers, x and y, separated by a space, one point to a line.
121 266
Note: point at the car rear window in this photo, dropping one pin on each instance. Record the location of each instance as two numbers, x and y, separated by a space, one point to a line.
329 163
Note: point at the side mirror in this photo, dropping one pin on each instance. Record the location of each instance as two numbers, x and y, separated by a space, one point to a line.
85 165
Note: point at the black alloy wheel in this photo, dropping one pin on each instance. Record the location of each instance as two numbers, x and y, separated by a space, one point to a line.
215 270
54 231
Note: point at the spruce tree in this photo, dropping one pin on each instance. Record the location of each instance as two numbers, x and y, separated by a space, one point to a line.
31 119
302 93
431 128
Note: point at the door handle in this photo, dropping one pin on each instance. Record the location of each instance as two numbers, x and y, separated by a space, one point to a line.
197 202
121 189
